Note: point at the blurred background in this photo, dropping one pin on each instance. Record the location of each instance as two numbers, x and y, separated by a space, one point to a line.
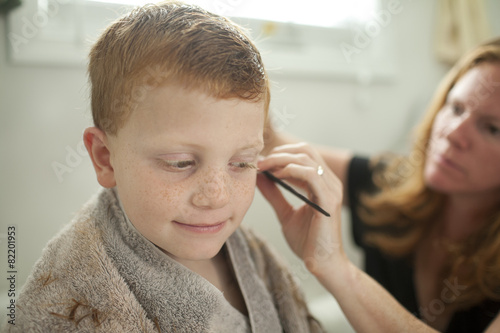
353 74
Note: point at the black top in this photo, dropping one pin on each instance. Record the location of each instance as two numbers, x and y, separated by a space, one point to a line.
396 275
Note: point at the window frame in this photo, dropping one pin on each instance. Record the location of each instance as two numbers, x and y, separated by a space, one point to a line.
59 36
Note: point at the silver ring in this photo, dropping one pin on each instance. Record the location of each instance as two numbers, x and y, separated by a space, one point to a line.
320 170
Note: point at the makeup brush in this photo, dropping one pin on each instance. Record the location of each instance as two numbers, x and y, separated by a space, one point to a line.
293 191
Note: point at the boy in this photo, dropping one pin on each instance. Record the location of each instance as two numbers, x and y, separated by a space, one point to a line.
179 101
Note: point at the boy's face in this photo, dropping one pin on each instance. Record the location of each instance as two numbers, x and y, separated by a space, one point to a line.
184 165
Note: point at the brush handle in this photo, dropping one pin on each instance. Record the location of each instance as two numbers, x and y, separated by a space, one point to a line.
294 192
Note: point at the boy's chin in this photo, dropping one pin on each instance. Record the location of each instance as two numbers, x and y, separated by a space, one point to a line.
196 255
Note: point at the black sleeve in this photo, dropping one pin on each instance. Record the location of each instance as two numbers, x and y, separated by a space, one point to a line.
394 274
359 179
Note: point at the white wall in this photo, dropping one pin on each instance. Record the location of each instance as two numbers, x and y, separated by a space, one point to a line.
43 112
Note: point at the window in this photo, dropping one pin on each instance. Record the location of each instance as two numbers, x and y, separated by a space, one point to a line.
336 39
325 13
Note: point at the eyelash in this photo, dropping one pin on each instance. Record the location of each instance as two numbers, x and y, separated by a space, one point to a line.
244 165
184 165
176 165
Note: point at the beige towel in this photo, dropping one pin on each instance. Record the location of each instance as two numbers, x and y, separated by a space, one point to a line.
100 275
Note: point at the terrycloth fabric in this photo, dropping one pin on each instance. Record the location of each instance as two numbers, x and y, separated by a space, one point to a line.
100 275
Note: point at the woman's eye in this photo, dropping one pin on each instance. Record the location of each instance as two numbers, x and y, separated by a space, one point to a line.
493 130
457 109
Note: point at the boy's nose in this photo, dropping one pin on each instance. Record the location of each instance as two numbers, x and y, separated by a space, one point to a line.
212 191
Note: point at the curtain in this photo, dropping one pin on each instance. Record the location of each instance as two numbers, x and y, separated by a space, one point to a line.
461 25
6 5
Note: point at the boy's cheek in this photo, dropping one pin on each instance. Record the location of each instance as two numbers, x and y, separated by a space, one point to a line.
246 191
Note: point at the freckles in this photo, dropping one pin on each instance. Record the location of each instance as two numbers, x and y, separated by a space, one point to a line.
171 194
244 187
166 194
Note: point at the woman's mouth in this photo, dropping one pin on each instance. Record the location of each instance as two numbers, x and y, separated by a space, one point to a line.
447 163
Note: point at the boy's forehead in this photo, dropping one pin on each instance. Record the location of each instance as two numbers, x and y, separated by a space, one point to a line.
171 95
186 108
164 82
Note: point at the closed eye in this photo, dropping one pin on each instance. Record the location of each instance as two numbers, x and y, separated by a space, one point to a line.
243 165
177 165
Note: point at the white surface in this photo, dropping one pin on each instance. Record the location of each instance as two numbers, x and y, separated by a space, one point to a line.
62 32
327 311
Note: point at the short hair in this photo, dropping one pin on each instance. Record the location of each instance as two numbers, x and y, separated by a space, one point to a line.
171 41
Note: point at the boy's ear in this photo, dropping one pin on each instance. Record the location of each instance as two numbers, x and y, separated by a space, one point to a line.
97 145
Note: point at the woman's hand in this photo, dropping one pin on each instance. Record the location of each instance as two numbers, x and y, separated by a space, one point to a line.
314 237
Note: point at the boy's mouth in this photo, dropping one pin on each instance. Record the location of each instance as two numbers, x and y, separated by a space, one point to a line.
202 228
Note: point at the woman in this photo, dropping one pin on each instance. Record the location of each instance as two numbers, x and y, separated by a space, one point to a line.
429 223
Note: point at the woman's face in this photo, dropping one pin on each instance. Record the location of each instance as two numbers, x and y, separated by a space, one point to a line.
464 149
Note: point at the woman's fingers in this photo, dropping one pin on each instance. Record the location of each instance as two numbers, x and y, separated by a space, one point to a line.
299 165
297 153
274 196
296 148
313 236
276 161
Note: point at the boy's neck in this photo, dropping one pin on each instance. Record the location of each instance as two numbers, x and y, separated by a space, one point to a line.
219 272
210 269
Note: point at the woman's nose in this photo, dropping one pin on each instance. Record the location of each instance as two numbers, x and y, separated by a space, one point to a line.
212 190
458 132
